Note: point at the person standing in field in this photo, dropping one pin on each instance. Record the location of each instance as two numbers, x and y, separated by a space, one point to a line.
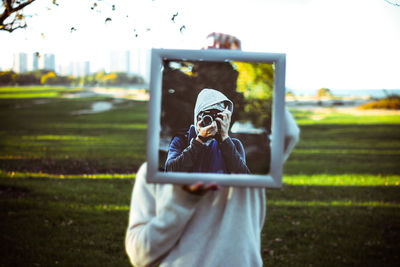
200 224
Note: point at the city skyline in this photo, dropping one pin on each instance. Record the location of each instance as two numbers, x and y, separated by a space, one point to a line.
128 61
25 62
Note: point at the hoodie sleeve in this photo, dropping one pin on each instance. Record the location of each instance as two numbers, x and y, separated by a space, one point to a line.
152 232
292 134
234 156
182 157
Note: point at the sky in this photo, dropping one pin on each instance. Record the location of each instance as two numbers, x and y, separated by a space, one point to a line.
336 44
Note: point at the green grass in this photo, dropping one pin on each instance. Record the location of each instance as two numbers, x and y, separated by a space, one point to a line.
330 226
50 137
63 222
334 116
339 143
66 182
35 92
342 180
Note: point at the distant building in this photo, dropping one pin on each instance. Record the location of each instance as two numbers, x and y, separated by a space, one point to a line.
47 62
70 69
76 69
24 62
81 69
33 61
20 64
65 70
120 61
86 68
140 62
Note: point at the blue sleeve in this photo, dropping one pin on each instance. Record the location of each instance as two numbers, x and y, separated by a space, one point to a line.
181 155
234 156
176 147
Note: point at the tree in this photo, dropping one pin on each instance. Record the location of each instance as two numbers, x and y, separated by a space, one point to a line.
256 82
48 78
290 93
52 79
12 78
12 16
26 79
117 78
7 78
324 92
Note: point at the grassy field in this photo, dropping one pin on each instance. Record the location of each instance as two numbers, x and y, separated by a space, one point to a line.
66 176
35 92
63 136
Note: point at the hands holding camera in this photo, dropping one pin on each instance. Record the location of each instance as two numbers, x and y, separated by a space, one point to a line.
206 131
224 119
210 125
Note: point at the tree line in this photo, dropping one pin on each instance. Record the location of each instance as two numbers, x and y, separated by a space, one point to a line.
45 77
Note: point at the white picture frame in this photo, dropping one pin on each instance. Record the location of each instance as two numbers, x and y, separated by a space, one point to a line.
273 179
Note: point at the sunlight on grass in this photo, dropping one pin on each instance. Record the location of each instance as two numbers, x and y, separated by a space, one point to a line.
30 95
60 143
285 203
304 180
342 118
348 203
35 91
342 180
12 174
138 126
347 151
61 137
17 157
105 207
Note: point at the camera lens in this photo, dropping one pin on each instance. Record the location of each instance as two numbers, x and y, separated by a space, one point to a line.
207 120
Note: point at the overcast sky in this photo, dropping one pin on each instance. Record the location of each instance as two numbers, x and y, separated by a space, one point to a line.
338 44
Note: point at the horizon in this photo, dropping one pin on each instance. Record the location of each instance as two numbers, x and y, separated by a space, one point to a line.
302 91
329 44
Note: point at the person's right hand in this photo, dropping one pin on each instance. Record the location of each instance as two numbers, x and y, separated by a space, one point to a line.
200 189
208 131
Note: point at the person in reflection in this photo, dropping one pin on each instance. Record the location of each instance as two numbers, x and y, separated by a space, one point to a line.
200 224
207 146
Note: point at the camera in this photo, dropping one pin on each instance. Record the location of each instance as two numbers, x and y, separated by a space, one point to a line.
209 116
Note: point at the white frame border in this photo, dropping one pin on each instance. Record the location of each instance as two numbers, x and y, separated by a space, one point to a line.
271 180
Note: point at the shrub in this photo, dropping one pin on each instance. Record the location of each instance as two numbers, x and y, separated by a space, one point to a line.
324 92
389 102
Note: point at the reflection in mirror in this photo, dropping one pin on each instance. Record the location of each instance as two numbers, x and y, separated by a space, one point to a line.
248 85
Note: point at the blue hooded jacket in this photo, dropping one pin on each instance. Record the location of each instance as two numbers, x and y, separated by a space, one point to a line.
186 154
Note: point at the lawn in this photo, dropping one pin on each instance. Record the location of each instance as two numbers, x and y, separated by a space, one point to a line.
35 92
63 136
66 175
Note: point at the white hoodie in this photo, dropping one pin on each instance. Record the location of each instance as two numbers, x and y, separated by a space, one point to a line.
171 227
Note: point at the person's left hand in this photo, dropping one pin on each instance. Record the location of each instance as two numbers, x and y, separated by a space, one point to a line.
224 120
200 188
